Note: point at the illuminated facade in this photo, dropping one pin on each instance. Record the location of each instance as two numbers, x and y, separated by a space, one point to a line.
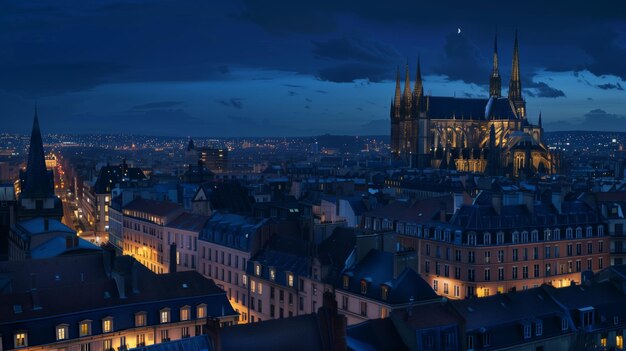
491 135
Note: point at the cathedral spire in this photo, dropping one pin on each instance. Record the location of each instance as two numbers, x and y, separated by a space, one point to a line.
37 180
418 91
495 83
407 83
515 85
398 95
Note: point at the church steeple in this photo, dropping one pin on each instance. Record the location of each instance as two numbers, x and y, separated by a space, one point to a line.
397 99
515 85
539 121
418 91
406 96
495 83
37 182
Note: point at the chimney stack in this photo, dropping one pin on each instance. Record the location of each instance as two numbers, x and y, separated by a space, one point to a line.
173 256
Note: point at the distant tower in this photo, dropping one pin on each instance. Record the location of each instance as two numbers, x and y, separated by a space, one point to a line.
515 85
37 198
394 115
495 83
191 153
423 123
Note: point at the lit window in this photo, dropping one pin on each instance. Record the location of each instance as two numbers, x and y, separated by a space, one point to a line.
107 325
84 328
272 274
244 280
164 316
140 319
384 290
290 280
363 287
201 311
257 269
62 332
21 340
346 281
252 286
184 313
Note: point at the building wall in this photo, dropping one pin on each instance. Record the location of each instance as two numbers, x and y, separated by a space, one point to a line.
226 266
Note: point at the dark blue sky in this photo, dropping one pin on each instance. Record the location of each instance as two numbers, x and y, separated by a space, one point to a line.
253 67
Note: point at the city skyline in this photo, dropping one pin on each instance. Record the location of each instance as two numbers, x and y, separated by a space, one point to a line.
245 69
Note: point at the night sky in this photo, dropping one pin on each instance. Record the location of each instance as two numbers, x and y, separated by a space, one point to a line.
289 68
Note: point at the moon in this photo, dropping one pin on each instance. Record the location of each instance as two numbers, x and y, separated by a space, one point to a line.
458 31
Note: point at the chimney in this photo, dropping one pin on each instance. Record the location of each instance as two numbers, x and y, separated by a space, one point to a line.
46 224
402 260
528 199
172 266
557 201
442 212
496 202
213 333
335 324
135 276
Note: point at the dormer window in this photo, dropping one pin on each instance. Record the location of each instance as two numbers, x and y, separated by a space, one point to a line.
539 328
257 269
527 331
201 311
384 292
164 316
272 274
564 324
185 313
107 325
20 339
290 279
84 328
62 331
346 281
363 286
140 319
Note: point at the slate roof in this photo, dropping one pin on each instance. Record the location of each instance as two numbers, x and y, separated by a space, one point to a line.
111 176
58 246
377 268
232 230
284 254
154 207
445 107
334 251
76 283
37 226
296 333
189 221
375 334
195 343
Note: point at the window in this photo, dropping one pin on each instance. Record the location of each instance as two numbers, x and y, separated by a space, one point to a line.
500 256
290 279
184 313
107 344
140 319
487 274
107 325
62 331
539 328
185 332
501 273
457 291
344 303
486 339
165 335
140 339
201 311
487 256
244 280
164 316
85 347
515 255
435 284
84 328
363 286
564 324
272 274
445 288
20 340
586 315
363 308
257 269
527 331
514 272
346 281
470 343
384 291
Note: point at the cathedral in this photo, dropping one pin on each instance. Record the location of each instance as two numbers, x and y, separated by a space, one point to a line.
486 135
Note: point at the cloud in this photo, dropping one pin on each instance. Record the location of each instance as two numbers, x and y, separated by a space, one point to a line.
594 120
610 86
56 78
543 90
232 102
462 60
157 105
345 73
356 49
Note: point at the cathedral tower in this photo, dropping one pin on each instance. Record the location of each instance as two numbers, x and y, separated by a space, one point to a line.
495 83
515 85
